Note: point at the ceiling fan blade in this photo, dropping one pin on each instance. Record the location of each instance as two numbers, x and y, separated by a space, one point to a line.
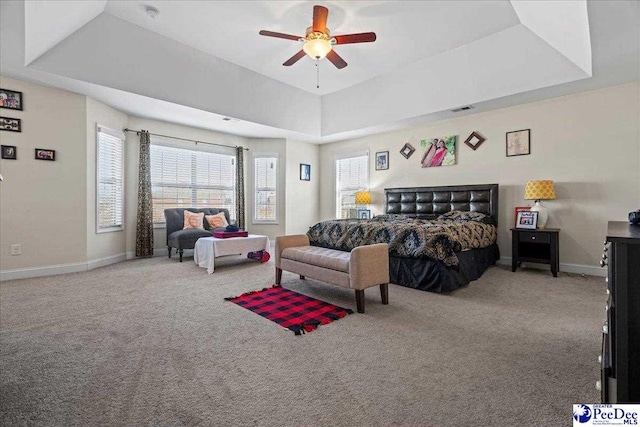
320 14
336 59
356 38
279 35
295 58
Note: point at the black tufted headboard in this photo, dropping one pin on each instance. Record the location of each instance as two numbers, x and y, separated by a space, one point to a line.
424 202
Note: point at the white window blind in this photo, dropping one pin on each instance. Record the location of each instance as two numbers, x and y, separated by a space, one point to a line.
266 192
183 178
352 174
109 180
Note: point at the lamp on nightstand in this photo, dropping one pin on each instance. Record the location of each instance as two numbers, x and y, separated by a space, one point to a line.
540 190
363 198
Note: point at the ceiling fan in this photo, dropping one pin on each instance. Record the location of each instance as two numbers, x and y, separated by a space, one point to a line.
318 42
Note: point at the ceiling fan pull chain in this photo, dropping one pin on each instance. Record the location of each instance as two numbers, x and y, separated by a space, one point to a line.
317 73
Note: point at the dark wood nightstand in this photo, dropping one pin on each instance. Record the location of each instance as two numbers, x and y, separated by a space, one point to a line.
541 245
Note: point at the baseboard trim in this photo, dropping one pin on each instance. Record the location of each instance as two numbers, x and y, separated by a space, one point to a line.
589 270
52 270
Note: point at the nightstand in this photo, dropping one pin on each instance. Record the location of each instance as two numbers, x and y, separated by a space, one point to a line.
541 245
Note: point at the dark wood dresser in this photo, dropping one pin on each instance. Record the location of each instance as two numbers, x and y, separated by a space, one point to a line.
620 360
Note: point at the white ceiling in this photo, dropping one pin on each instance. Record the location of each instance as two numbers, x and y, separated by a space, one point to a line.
406 32
200 61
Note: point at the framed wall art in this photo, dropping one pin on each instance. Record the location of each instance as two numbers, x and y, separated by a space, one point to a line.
10 99
10 125
407 150
519 143
9 152
305 172
475 140
44 154
439 152
382 160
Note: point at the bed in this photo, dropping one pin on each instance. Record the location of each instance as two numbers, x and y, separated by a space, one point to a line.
426 253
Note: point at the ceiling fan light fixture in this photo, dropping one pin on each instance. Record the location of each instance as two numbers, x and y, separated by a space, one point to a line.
317 48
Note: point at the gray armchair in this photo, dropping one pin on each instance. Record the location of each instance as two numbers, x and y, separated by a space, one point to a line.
186 239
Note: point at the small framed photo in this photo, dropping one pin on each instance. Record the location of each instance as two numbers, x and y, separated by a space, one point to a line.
364 213
407 150
519 209
44 154
527 220
382 160
474 140
305 172
10 99
519 143
9 152
10 125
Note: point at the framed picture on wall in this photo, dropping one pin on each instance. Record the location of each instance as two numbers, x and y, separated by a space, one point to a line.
382 160
519 143
44 154
9 152
11 125
10 99
305 172
407 150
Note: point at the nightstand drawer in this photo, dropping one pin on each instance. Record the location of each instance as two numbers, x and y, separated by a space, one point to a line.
529 237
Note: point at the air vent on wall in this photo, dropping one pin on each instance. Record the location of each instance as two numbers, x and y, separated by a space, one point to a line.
465 108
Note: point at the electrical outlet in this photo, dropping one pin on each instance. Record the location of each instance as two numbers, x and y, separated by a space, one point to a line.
16 250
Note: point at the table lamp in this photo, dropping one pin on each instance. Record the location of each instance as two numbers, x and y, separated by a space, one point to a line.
363 198
540 190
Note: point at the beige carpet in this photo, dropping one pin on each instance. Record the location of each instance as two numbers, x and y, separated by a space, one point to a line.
152 342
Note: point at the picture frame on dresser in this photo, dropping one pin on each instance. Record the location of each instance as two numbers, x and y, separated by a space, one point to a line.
527 220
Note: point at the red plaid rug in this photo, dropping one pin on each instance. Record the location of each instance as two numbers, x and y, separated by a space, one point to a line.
296 312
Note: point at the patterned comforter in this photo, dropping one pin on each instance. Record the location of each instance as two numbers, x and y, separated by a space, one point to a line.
407 237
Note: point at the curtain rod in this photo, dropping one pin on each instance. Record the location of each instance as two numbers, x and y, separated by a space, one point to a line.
184 139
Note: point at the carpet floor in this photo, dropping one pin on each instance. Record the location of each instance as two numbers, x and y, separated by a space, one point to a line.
152 343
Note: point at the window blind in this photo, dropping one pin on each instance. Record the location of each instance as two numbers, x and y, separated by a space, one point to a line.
183 178
266 193
110 180
352 174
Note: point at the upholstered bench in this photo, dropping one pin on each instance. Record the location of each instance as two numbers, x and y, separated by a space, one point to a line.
363 267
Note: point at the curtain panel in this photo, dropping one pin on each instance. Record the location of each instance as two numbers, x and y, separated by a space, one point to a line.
144 226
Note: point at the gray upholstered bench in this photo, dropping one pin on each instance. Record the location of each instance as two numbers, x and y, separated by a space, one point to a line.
363 267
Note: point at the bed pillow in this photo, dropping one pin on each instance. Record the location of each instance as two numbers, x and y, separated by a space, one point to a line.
216 221
467 216
193 220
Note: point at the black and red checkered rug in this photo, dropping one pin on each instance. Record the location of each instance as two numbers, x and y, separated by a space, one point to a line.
296 312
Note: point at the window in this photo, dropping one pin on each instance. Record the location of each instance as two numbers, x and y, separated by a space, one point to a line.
109 180
266 193
352 174
183 178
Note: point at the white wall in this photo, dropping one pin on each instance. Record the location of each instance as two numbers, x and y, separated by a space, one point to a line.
42 203
100 245
588 143
132 162
301 196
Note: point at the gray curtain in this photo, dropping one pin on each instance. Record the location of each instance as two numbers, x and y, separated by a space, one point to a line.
144 227
240 187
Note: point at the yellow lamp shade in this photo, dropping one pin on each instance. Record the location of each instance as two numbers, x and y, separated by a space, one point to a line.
539 190
363 197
